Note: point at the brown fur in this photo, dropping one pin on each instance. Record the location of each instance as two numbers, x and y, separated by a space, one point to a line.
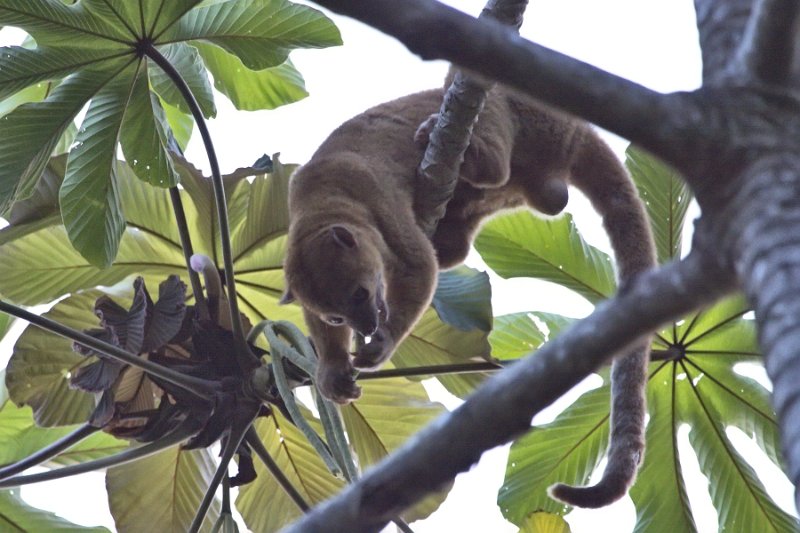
356 252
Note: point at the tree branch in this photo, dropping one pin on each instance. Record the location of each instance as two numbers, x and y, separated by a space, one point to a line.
721 24
435 31
48 452
502 408
462 103
769 41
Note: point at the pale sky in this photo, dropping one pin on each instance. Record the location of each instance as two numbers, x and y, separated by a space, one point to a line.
652 42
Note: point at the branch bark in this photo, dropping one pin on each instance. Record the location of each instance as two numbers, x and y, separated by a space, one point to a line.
768 48
721 24
503 407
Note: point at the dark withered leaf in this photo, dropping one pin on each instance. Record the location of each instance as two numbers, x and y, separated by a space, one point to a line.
104 411
96 377
215 344
165 317
104 335
127 326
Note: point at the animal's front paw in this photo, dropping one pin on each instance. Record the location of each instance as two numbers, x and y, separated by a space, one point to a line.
424 130
379 350
337 383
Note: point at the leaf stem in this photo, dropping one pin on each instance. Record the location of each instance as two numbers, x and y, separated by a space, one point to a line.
234 439
436 370
258 447
186 245
48 452
180 434
245 358
200 387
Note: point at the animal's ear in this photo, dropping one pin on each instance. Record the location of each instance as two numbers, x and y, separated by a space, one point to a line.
343 236
287 297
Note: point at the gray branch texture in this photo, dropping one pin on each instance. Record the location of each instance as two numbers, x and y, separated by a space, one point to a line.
735 140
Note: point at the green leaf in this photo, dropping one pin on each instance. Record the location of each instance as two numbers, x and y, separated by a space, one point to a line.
432 342
463 299
152 16
737 494
518 334
263 504
660 510
180 124
38 371
21 67
566 450
520 244
20 437
389 412
541 522
259 32
89 198
250 90
32 131
145 137
18 516
666 197
162 492
33 93
87 24
190 66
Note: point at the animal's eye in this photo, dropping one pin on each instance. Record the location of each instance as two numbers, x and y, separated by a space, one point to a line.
360 295
334 320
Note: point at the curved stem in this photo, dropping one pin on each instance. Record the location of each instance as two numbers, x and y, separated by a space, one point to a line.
234 440
180 434
257 446
48 452
200 387
244 357
186 245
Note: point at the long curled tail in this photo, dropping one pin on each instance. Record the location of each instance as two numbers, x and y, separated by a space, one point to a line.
599 175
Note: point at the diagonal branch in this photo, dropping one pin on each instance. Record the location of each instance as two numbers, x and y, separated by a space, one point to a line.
502 408
435 31
50 451
768 47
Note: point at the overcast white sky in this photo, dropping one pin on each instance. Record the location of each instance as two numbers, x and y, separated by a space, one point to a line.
652 42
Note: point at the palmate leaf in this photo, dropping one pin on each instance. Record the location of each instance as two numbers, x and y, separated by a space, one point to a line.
522 245
39 369
16 515
388 413
20 437
162 492
32 131
263 504
189 65
250 89
259 32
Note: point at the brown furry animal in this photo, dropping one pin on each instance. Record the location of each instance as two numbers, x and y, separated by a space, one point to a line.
357 260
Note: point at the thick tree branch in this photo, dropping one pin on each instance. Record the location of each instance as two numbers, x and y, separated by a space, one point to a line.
721 24
435 31
502 408
450 137
769 43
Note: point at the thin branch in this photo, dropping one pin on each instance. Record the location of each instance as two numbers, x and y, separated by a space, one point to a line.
181 433
502 408
435 370
235 437
197 386
186 245
435 31
255 443
767 50
48 452
245 358
450 137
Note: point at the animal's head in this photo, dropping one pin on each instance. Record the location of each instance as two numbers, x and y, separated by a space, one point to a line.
337 274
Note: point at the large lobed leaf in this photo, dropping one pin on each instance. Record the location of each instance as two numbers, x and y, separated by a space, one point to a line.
162 492
263 504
